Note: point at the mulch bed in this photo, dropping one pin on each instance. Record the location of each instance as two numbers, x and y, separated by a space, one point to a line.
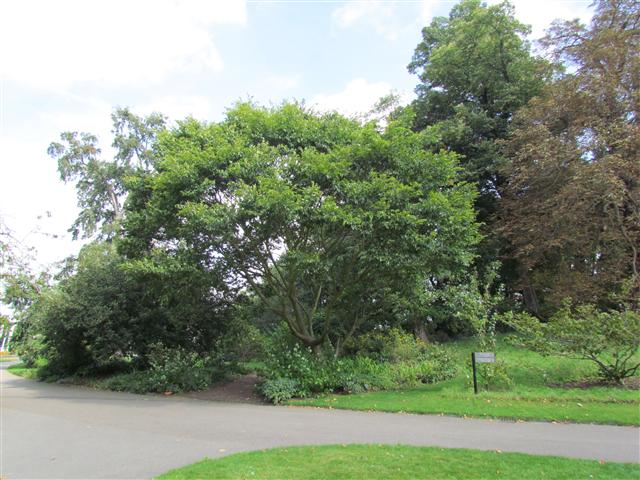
238 390
632 383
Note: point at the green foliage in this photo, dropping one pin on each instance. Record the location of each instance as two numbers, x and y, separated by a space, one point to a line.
100 184
551 388
29 346
475 70
392 345
609 339
279 390
396 360
137 381
170 370
243 341
177 370
286 358
109 310
326 221
492 376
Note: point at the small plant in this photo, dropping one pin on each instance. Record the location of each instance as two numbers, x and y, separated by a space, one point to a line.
286 358
492 376
279 390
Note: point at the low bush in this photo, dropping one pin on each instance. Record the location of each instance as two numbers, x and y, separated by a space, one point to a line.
133 382
279 390
170 370
390 345
177 370
491 377
394 362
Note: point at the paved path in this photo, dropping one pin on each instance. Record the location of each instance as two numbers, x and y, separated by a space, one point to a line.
55 431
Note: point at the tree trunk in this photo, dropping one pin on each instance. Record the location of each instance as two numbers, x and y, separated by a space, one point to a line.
420 331
529 293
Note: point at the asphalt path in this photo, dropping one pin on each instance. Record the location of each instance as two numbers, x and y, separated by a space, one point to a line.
59 431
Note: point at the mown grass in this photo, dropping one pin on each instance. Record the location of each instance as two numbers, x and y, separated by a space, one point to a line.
537 393
21 370
397 462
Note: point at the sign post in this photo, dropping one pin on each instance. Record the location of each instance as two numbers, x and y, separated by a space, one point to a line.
480 357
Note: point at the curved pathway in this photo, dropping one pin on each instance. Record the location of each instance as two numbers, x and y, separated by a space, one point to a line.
55 431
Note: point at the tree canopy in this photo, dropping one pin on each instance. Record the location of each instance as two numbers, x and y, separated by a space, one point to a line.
328 222
475 69
571 207
100 183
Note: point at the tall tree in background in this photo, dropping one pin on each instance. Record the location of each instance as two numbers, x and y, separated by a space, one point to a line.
100 183
475 70
571 208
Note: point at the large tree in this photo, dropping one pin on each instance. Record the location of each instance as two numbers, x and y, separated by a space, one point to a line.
328 222
100 182
572 203
475 69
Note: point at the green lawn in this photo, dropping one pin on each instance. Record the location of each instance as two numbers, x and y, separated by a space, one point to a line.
23 371
531 398
397 462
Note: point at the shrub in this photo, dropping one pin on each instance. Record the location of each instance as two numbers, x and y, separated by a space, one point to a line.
177 370
278 390
492 376
392 345
286 358
414 363
111 309
134 382
360 374
608 339
438 364
29 349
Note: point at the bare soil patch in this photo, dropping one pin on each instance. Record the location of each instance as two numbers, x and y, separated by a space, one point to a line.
632 383
240 389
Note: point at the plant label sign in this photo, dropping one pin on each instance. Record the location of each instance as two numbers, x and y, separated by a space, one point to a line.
480 357
485 357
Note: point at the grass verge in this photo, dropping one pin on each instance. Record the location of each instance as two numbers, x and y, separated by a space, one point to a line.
533 396
398 462
21 370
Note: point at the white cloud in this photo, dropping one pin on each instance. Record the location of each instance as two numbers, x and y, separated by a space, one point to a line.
115 42
540 13
427 8
358 97
379 15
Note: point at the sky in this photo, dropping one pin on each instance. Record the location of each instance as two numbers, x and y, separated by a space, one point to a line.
66 64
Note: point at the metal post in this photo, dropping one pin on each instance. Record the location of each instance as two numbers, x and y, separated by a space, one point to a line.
475 379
